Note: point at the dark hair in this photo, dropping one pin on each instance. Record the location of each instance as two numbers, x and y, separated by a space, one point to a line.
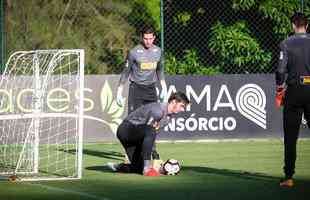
179 97
299 19
147 29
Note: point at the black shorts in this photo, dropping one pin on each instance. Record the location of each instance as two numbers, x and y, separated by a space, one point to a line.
140 95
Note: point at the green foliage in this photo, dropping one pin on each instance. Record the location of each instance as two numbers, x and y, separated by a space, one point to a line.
182 18
188 65
280 12
307 9
243 4
152 7
235 47
100 27
107 29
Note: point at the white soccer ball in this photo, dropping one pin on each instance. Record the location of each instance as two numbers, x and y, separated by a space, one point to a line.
171 167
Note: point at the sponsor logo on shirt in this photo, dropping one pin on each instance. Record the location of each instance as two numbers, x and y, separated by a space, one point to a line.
148 65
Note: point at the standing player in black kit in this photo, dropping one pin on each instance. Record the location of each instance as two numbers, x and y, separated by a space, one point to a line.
294 61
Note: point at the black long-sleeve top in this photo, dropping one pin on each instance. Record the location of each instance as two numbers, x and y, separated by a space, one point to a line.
294 59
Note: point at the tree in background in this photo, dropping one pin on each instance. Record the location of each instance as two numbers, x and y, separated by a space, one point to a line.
237 50
201 37
190 64
106 29
236 36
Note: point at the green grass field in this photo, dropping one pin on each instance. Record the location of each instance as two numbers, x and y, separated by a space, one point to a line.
213 170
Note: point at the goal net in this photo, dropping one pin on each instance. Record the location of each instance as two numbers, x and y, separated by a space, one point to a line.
41 115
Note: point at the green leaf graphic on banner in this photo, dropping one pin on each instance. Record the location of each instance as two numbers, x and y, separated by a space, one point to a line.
110 107
106 96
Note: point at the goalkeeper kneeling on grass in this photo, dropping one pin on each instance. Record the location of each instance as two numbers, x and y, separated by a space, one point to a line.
137 133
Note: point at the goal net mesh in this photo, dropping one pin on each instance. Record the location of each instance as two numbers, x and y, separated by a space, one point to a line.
41 112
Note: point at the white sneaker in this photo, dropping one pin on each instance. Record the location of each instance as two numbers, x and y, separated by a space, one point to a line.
112 166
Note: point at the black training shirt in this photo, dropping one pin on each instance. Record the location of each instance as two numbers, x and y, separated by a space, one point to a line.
294 59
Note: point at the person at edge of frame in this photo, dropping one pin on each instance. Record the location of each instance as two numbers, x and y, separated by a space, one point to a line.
293 77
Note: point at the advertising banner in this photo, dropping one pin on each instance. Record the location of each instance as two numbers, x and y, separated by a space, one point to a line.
222 107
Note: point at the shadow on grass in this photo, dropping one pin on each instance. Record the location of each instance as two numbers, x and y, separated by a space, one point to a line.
200 183
101 168
300 183
114 155
187 171
229 172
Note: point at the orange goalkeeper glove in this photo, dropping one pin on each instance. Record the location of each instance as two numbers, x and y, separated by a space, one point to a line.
151 172
280 94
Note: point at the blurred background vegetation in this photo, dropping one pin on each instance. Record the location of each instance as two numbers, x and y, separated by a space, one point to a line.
202 37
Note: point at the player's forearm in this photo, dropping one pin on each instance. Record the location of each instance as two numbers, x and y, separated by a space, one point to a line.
280 78
146 165
160 74
281 71
282 65
148 142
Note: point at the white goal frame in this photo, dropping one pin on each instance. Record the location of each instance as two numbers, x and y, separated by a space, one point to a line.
27 133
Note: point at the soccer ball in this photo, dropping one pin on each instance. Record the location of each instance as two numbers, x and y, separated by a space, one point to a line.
171 167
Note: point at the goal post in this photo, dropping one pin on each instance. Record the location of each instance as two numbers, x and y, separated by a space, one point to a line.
41 115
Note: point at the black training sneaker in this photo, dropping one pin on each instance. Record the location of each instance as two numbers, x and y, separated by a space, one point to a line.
124 168
119 167
288 182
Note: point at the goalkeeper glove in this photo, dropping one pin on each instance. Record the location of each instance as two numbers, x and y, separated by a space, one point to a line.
151 172
280 94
